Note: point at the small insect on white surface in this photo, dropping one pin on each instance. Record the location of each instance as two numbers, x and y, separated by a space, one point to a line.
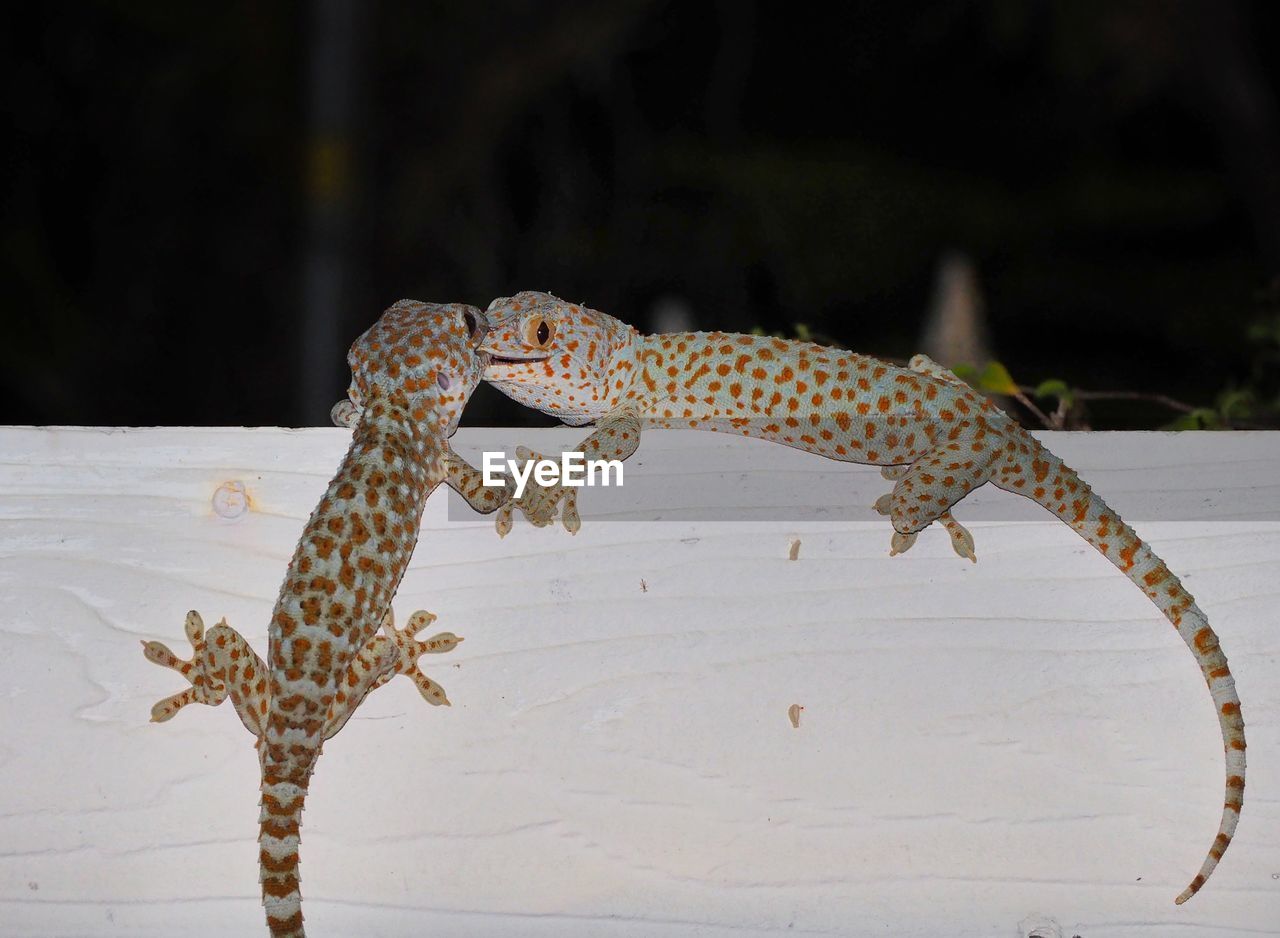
793 714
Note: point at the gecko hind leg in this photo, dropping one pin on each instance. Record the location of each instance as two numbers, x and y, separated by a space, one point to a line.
222 665
394 651
924 493
374 664
410 648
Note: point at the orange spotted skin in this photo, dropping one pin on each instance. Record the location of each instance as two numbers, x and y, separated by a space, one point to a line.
413 372
937 438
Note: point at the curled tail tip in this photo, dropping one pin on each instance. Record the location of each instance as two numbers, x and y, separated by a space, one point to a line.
1220 844
1191 890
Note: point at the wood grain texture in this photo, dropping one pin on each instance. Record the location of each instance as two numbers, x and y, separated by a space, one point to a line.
1002 749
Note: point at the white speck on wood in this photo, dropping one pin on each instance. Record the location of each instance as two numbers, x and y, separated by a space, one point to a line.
986 749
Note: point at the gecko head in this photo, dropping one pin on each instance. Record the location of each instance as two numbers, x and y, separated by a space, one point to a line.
430 352
552 355
524 331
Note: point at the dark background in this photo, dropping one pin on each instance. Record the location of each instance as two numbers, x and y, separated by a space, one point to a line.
203 206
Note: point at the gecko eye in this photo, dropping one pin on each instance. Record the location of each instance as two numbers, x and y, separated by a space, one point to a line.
538 332
443 380
470 322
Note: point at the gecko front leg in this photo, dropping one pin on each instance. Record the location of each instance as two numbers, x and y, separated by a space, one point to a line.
616 437
538 503
345 413
468 481
461 476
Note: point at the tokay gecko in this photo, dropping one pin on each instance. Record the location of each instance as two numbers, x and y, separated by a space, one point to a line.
412 373
935 437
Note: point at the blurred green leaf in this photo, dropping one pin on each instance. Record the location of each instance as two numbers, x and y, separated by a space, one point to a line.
1053 387
1058 389
1236 404
1202 418
995 379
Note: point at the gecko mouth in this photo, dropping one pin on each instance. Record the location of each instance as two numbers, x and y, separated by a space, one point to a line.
502 360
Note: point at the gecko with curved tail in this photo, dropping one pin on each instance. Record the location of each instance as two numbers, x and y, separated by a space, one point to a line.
412 373
935 437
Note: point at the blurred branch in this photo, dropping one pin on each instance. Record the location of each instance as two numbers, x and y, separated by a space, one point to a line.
1153 397
1021 397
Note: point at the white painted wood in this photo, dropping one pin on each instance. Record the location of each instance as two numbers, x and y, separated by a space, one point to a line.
983 750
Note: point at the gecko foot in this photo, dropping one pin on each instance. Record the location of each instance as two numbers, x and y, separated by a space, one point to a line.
505 515
222 664
204 688
410 648
911 504
569 516
344 414
884 504
539 503
961 539
901 543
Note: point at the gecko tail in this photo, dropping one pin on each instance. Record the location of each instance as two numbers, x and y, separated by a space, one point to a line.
1058 488
279 820
1195 630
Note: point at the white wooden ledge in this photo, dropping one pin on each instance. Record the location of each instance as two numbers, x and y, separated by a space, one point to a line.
1018 747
